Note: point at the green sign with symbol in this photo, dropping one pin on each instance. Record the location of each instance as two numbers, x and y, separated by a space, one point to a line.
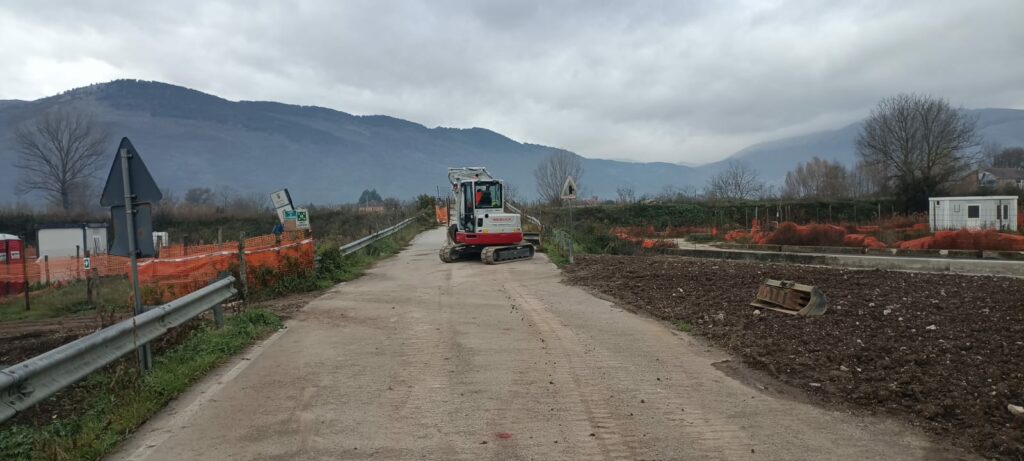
301 218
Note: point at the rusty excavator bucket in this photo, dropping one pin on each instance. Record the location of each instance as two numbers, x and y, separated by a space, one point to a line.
790 298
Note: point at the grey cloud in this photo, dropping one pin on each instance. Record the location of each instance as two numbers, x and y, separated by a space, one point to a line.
667 81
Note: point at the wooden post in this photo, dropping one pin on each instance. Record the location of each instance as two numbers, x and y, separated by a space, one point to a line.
242 271
88 281
96 272
46 265
24 271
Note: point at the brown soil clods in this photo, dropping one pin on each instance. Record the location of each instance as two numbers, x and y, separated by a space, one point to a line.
945 350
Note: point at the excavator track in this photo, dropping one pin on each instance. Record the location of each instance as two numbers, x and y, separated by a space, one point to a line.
448 253
507 254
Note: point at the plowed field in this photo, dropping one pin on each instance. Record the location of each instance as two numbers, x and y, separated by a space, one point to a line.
944 351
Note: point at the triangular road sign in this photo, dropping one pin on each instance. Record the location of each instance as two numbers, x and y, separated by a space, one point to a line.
569 189
142 184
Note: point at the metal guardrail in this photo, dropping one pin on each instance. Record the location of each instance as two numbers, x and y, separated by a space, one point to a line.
357 245
35 379
513 209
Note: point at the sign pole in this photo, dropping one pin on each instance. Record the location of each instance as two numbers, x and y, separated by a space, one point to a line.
569 194
572 258
144 352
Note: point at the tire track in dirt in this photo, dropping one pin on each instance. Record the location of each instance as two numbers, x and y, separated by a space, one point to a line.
585 402
417 387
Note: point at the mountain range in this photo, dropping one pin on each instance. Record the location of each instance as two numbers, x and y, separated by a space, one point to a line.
193 139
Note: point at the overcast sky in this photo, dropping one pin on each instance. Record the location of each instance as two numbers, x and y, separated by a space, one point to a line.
676 81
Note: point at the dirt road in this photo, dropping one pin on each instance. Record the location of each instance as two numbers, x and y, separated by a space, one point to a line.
426 360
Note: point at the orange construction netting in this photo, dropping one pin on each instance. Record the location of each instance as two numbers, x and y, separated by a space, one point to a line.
178 270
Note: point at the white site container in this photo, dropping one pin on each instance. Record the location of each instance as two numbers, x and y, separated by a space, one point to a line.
71 241
997 212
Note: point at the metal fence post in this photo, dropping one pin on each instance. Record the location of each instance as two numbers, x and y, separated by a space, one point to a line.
242 271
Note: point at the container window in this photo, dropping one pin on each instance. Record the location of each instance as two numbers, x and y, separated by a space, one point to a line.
973 211
1006 211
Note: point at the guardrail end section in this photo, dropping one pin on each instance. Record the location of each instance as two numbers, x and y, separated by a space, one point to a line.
7 391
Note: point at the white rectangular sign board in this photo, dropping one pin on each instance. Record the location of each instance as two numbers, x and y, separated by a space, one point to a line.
281 199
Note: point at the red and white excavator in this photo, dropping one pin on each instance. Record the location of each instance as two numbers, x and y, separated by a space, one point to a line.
478 222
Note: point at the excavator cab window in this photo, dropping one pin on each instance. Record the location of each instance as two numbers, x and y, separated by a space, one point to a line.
488 194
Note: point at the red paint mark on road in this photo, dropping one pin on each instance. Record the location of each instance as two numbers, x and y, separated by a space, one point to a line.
504 435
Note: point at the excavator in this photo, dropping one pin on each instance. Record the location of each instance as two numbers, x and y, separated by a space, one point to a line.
478 225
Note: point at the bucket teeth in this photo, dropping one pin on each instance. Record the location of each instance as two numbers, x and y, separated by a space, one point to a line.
791 298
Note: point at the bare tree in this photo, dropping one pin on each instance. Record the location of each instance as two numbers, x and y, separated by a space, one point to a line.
58 154
868 180
199 196
1009 157
626 194
739 181
921 142
248 204
819 179
511 192
551 174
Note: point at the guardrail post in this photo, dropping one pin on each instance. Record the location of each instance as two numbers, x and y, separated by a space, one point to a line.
218 315
242 270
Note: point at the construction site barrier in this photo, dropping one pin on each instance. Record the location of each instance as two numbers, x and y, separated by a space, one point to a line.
178 270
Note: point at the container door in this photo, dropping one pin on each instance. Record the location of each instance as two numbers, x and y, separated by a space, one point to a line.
973 216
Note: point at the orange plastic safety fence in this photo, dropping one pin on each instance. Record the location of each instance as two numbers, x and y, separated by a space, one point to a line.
178 270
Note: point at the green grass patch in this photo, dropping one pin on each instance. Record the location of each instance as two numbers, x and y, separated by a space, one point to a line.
118 399
684 327
52 302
